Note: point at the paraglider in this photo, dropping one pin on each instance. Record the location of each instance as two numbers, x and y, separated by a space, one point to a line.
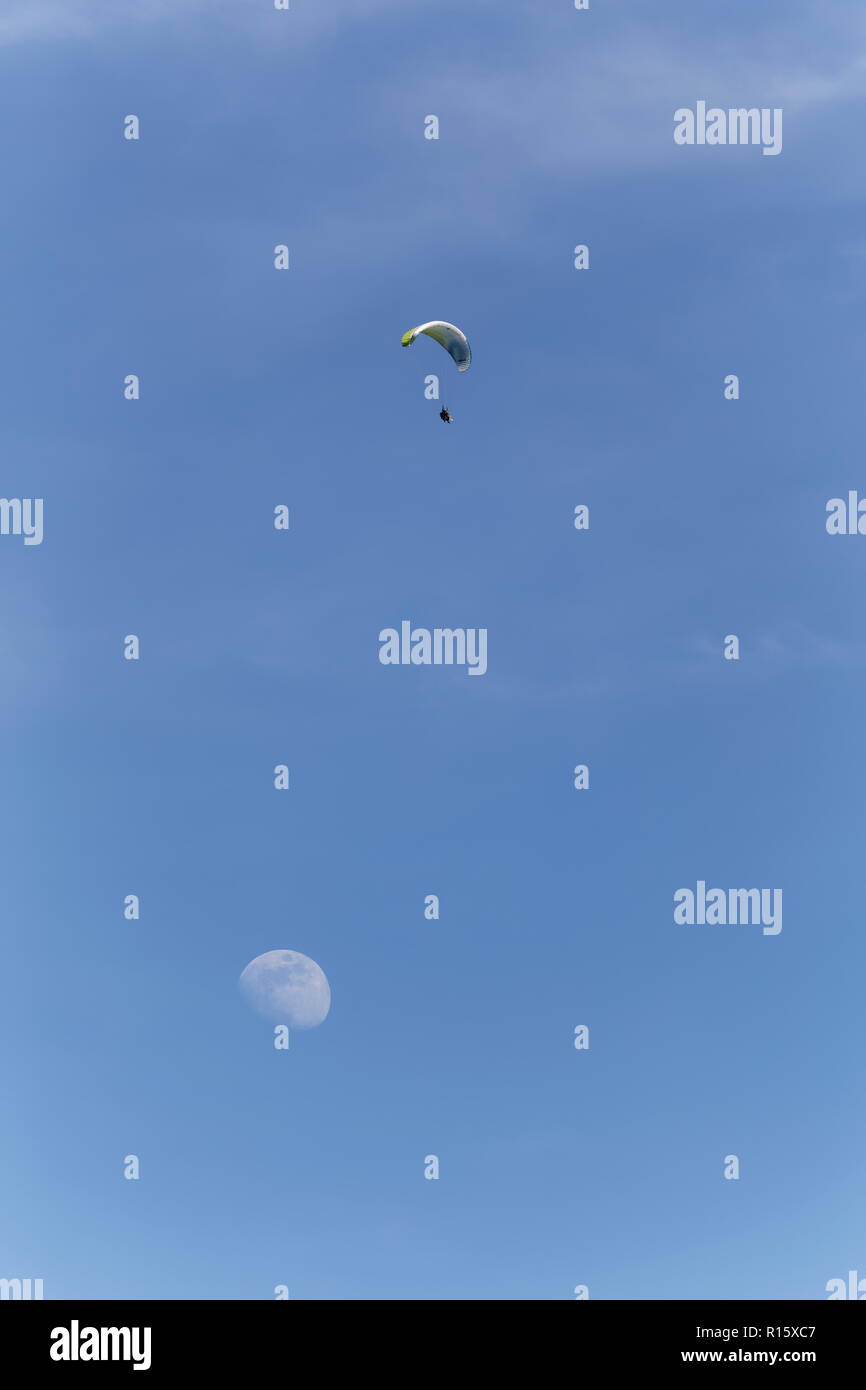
443 415
451 338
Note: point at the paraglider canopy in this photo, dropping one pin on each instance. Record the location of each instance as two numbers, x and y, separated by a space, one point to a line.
451 338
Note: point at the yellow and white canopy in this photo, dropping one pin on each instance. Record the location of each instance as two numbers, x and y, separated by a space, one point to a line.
451 338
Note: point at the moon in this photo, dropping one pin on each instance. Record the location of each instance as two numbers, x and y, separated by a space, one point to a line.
287 987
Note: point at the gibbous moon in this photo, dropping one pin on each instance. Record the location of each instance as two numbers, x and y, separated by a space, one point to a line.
287 987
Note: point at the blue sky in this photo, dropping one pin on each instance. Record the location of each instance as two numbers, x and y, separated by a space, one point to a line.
603 387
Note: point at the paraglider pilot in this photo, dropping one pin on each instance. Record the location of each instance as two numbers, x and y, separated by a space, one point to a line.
443 415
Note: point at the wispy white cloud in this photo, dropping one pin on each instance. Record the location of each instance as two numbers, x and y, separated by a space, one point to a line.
765 656
611 107
37 652
544 94
774 652
28 20
23 20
